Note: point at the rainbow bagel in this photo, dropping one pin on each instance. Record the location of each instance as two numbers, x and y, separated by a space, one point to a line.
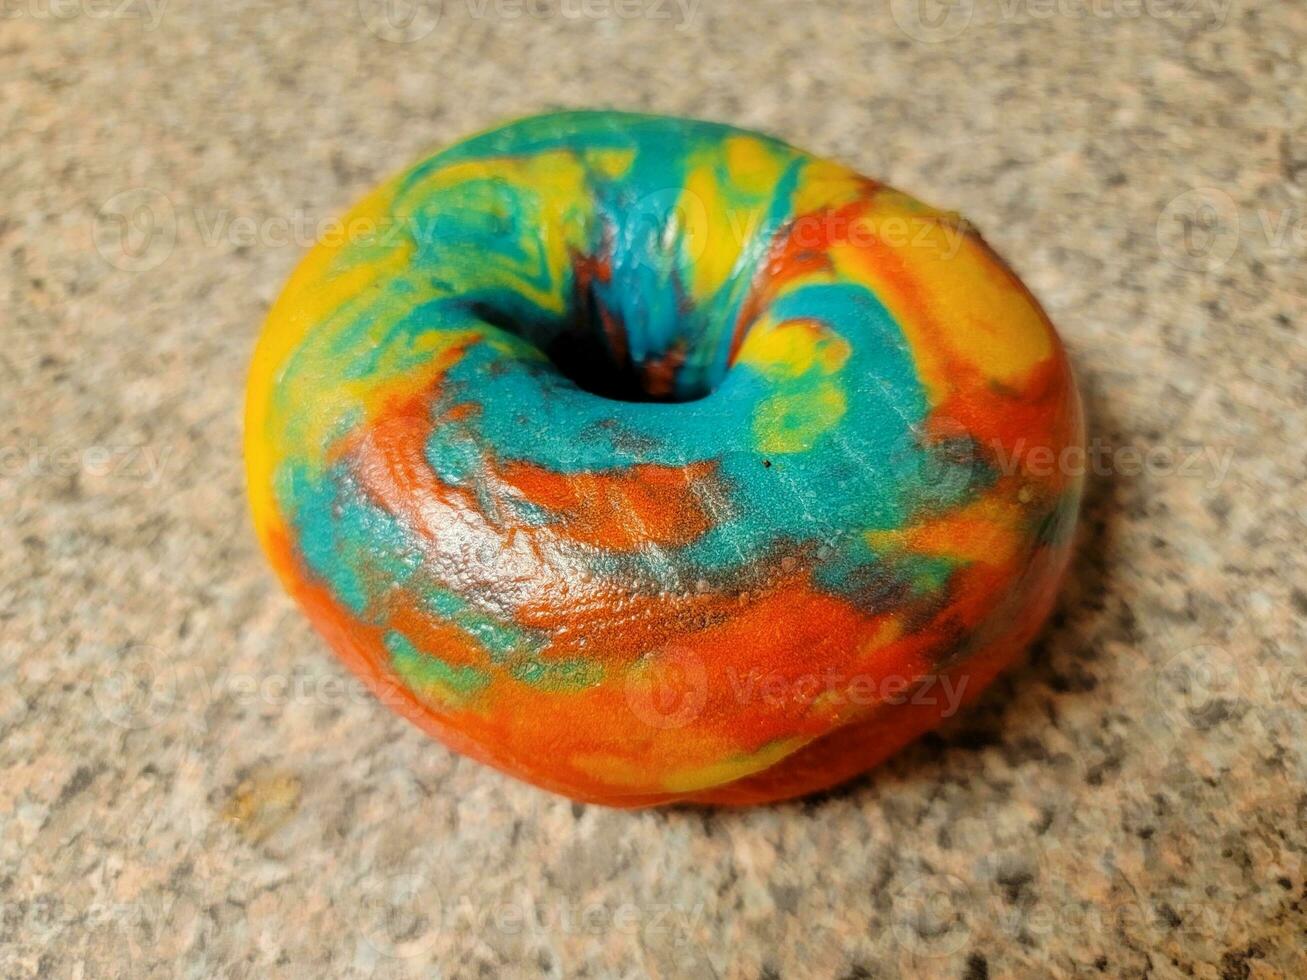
648 459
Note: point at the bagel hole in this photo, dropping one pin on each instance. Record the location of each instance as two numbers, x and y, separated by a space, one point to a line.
581 352
585 360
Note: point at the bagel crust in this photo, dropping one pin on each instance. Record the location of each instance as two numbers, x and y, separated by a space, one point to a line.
648 459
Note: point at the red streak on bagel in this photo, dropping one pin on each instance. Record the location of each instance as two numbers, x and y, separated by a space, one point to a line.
617 510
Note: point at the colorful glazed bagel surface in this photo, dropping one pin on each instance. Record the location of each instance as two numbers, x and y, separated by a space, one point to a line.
649 459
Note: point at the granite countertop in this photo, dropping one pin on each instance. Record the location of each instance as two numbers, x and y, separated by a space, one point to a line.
192 786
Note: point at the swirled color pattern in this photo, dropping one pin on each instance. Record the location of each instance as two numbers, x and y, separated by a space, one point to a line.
649 459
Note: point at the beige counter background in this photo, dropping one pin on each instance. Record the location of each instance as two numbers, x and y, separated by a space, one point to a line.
190 786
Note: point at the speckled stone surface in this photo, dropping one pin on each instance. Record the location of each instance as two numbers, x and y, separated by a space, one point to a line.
191 786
